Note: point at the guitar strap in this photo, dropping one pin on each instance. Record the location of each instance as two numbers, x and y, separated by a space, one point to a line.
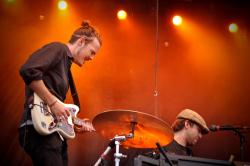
73 90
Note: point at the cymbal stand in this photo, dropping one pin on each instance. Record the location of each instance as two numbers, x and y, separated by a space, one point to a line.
118 140
122 138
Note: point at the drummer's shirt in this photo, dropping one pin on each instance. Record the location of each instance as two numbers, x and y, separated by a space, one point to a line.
175 148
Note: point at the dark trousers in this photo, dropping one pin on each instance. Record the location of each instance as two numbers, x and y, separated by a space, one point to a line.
47 150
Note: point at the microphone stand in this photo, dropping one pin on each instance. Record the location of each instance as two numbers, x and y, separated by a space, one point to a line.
239 131
100 161
242 143
163 153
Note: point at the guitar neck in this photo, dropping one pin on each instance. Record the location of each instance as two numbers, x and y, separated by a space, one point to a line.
78 121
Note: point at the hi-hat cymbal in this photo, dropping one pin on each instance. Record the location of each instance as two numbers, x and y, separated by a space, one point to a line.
148 129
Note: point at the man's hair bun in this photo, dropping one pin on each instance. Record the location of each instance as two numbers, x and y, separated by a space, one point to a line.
85 24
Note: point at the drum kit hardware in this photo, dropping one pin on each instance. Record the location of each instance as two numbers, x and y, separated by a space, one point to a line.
130 129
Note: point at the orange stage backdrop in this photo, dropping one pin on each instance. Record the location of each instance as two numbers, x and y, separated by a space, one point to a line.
201 66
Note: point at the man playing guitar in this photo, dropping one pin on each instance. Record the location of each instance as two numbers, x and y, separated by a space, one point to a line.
45 74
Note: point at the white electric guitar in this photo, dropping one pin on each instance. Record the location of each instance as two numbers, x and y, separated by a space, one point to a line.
45 122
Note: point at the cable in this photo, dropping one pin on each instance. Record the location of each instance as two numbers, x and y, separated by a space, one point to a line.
156 93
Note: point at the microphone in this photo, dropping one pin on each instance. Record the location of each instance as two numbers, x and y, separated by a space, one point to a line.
102 157
227 127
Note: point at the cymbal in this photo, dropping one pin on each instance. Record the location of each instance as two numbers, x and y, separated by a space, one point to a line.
148 129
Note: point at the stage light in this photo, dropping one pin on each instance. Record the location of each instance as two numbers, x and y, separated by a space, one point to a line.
233 28
41 17
177 20
122 15
62 5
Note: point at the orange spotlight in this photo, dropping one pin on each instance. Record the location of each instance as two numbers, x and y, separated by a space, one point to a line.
233 28
121 14
62 5
177 20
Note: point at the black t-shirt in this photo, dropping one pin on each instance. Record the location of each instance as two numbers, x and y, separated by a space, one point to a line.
175 148
51 63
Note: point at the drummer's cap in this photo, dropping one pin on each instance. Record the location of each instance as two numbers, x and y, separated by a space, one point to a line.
194 117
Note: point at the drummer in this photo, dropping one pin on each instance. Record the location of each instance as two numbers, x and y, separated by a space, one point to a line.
188 128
